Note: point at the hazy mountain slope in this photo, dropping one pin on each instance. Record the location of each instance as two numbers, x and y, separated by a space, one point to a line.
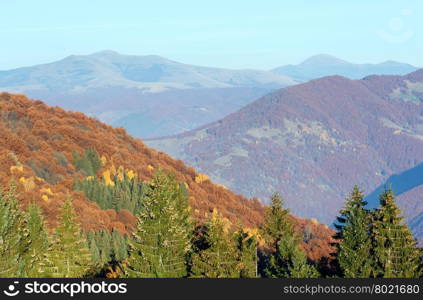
37 154
77 73
326 65
313 141
156 114
401 183
412 205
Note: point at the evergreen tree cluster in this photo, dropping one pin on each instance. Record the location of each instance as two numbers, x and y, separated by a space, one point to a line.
68 254
107 247
161 248
122 192
167 244
28 250
14 239
375 243
219 253
125 194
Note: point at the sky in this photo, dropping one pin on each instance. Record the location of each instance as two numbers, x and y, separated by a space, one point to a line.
230 34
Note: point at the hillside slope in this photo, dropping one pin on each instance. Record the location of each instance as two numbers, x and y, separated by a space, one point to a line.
148 115
39 147
313 141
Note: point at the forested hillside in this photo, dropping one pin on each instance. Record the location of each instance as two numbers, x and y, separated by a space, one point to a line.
51 154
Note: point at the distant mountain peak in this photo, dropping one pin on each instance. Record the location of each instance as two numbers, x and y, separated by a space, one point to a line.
110 55
99 54
323 60
106 53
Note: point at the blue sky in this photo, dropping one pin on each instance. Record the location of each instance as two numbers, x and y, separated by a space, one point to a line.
233 34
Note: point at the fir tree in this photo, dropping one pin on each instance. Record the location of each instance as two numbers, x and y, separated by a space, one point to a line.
161 240
354 242
96 256
291 260
119 246
13 236
287 259
395 249
68 256
38 242
218 258
89 162
276 222
246 246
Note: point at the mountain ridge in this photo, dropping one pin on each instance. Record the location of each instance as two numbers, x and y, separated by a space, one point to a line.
322 65
149 95
109 68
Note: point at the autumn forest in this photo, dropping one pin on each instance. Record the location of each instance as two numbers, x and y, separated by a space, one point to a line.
80 198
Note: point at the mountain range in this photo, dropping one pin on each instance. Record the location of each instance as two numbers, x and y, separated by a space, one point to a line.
326 65
151 73
153 96
313 141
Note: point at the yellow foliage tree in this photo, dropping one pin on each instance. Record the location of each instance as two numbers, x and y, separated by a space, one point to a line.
130 174
107 179
47 191
27 183
255 232
45 198
15 169
314 221
103 160
200 178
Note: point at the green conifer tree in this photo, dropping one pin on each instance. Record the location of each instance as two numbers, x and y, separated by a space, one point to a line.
68 255
246 246
287 259
119 246
96 257
161 241
293 262
219 257
38 242
354 243
395 249
13 236
89 162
